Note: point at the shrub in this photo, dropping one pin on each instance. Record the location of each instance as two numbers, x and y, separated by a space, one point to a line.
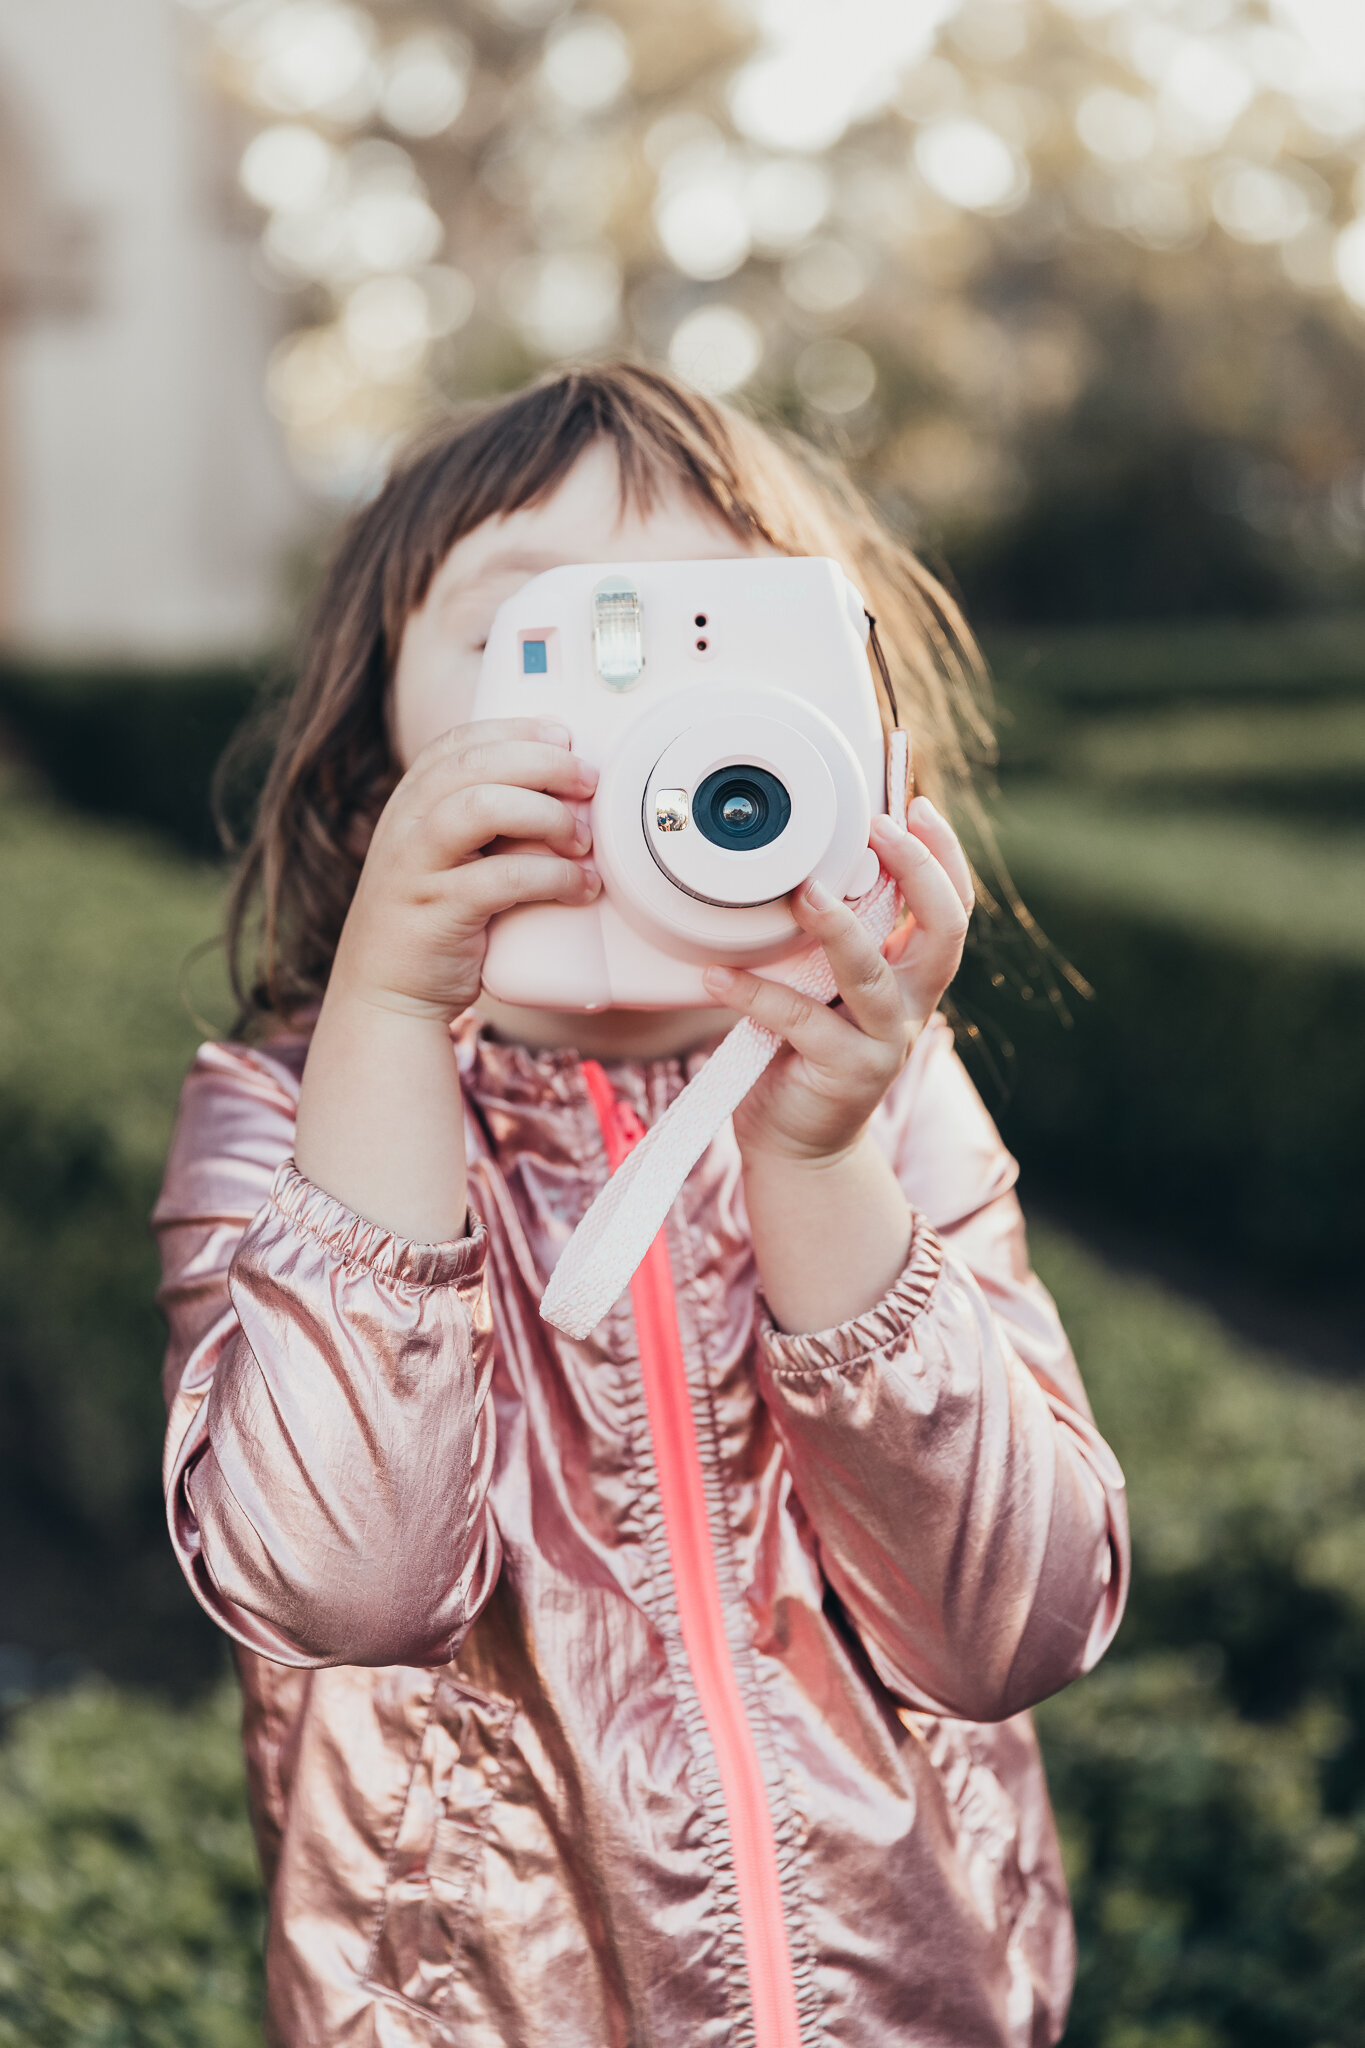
1214 1083
130 1909
132 742
94 1043
1209 1779
1215 660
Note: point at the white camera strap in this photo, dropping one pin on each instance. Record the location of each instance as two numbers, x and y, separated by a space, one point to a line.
600 1258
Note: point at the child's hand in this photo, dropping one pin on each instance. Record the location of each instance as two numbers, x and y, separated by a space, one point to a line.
814 1100
415 934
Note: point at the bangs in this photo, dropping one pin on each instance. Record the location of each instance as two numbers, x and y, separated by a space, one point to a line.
505 457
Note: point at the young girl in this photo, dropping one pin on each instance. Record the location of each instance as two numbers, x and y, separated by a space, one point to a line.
668 1687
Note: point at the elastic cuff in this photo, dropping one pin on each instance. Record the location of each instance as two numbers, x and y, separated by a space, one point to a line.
358 1243
882 1328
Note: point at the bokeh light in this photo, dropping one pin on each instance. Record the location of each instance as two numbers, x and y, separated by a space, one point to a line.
824 277
426 84
310 56
786 200
386 323
1116 125
971 166
566 302
1256 204
835 376
565 180
288 168
703 225
1350 262
587 62
827 63
717 349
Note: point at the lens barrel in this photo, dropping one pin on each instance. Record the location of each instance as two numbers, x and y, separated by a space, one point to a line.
741 808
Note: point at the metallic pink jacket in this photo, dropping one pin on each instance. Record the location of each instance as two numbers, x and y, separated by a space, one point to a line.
665 1690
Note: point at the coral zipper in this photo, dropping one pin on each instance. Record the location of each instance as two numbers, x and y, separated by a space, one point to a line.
701 1615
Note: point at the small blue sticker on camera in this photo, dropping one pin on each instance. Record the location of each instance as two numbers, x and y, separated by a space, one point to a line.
534 661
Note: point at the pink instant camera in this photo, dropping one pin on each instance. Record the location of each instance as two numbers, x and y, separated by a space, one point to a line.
731 712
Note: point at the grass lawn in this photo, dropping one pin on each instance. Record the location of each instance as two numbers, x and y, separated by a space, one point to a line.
1263 882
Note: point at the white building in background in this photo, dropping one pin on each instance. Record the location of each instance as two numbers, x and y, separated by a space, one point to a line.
145 502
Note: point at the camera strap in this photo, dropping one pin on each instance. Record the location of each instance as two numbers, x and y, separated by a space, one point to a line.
600 1258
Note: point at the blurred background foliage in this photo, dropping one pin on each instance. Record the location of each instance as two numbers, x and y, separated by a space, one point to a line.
1077 290
1075 285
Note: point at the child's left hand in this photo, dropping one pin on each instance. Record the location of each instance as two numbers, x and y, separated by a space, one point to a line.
839 1060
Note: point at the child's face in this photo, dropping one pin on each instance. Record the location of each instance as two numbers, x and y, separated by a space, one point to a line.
582 521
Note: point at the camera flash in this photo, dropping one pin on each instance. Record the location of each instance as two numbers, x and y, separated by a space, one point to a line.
618 632
670 810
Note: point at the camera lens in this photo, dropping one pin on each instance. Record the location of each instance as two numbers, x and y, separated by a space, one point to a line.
741 808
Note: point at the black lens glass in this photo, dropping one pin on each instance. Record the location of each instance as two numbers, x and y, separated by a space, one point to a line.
741 808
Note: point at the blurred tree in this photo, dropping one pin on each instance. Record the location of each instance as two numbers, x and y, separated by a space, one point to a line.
1076 285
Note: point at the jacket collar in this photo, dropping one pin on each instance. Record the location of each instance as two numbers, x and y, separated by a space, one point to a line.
499 1073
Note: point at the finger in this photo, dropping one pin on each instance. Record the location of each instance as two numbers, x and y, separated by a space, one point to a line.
482 888
927 952
490 732
809 1027
866 984
932 829
927 889
531 764
467 819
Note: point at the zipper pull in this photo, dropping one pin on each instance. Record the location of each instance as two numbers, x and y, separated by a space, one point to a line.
621 1128
629 1125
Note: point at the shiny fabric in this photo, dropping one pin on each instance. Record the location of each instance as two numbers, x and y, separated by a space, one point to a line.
485 1798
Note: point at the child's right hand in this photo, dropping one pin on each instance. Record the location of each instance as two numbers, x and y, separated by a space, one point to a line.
489 815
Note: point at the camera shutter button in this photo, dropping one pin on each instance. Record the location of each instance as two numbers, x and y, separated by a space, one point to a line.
866 869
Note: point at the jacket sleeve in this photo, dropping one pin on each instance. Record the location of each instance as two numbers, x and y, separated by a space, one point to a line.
966 1511
330 1437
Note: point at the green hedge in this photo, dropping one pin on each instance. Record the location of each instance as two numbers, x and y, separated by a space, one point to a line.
132 742
1269 719
130 1909
1209 1779
1226 660
94 1043
1213 1087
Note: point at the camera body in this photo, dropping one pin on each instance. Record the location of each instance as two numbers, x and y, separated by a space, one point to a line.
730 710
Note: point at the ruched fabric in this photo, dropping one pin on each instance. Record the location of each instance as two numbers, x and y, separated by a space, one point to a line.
487 1803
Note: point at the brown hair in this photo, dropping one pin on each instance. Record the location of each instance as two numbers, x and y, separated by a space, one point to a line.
334 768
